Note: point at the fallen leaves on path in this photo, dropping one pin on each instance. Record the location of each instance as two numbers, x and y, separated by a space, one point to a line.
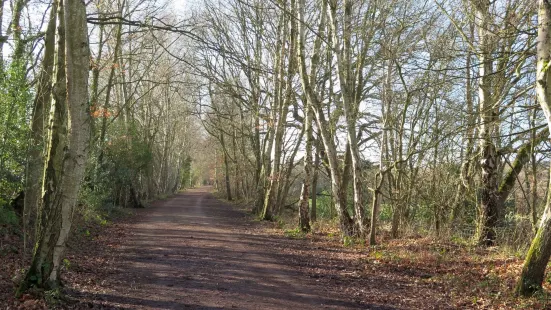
416 273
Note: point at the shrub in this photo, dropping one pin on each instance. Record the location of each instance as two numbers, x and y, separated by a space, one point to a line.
8 216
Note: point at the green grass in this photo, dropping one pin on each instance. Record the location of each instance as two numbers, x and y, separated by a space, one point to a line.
294 234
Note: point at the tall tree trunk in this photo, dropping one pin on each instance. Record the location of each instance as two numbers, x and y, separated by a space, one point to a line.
238 193
486 231
48 216
35 165
282 82
375 206
257 150
313 191
64 187
537 258
379 177
226 168
435 206
337 189
534 175
346 82
304 218
15 27
3 38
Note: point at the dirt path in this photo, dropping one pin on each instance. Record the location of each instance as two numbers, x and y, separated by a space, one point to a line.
194 251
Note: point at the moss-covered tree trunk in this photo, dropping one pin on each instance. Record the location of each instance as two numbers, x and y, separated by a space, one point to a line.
35 165
48 218
68 147
16 29
533 271
536 261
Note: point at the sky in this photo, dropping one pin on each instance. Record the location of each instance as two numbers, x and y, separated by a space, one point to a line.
183 6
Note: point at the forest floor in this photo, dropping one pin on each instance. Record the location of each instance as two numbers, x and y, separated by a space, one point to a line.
193 251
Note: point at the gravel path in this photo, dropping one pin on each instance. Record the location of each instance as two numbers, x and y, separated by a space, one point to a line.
194 251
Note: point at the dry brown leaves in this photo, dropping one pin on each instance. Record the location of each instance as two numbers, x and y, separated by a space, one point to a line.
418 273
